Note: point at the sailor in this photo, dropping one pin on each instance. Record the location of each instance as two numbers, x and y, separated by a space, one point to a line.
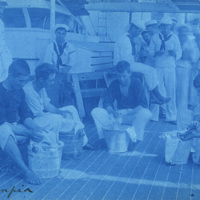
16 123
166 49
5 54
127 48
189 57
44 112
61 54
152 27
132 104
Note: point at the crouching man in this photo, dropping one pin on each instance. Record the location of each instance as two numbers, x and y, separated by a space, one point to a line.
131 100
45 114
15 118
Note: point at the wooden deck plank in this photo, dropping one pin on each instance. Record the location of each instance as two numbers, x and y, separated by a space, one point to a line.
170 190
108 178
118 185
184 187
105 164
100 175
66 183
195 189
155 191
168 176
105 178
15 181
129 190
82 192
112 192
151 171
48 184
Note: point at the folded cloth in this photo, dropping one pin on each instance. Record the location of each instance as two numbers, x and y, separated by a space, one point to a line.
78 126
51 138
131 133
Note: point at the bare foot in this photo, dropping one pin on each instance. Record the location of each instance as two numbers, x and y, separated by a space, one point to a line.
31 178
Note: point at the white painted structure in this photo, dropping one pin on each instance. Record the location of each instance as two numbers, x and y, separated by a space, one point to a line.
27 25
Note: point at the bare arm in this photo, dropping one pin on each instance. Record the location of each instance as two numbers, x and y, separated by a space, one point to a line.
52 109
33 130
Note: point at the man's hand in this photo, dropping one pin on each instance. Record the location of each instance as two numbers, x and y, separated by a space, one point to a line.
159 53
36 136
110 110
172 53
66 114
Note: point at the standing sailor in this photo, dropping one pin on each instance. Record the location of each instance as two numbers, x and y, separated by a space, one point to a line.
166 49
61 54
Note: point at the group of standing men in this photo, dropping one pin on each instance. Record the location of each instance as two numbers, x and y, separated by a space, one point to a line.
169 52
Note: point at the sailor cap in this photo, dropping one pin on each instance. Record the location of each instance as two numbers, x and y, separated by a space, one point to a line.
166 20
151 22
62 26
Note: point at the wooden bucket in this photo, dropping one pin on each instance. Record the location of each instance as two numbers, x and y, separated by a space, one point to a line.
73 144
45 161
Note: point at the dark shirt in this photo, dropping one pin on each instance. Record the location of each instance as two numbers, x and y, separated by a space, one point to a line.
136 95
13 107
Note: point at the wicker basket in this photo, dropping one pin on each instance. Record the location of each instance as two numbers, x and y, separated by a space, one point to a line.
73 144
45 161
117 140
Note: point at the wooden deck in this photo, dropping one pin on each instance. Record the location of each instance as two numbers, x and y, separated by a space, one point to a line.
98 175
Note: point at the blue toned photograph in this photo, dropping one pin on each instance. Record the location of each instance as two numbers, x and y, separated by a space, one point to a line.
100 99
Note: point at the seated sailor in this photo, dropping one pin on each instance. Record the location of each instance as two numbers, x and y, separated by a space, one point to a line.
44 112
15 117
131 100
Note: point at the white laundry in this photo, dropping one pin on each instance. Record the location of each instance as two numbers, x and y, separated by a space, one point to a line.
132 134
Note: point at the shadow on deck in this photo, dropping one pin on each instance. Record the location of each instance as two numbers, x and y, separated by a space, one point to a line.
98 175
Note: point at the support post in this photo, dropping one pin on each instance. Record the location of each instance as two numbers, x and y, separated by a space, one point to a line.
52 18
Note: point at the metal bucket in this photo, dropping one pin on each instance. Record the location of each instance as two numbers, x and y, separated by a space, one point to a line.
117 140
176 150
45 161
73 144
182 152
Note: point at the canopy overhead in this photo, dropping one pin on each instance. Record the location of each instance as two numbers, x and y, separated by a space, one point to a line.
179 6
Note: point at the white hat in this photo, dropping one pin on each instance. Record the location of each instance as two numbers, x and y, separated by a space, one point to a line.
62 26
151 22
139 24
166 20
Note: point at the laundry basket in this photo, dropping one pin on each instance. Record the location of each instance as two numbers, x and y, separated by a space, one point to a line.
117 140
44 160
